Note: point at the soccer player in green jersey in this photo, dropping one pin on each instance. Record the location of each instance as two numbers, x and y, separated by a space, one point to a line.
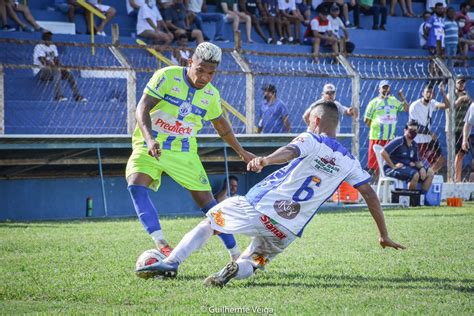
175 104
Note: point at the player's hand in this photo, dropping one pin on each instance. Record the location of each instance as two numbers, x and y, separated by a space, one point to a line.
256 164
352 111
387 242
398 165
465 146
247 156
401 95
154 149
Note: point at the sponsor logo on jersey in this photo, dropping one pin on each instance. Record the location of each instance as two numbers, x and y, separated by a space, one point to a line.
298 139
176 89
176 78
327 165
205 101
185 108
203 178
287 209
269 224
208 92
158 85
176 128
218 218
316 180
260 260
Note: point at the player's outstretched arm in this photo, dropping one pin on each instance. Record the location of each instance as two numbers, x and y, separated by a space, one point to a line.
280 156
375 209
225 131
142 114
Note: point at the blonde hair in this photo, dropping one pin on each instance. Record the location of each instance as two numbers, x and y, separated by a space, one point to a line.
208 52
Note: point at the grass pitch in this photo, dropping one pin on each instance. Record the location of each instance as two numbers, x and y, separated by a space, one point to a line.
337 267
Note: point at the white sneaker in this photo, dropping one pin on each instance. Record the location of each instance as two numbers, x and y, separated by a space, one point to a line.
279 43
101 33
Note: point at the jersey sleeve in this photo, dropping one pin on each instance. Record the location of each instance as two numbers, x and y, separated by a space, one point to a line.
215 108
306 143
370 110
398 104
157 86
358 176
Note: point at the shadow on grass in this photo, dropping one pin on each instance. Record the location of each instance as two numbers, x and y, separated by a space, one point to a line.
32 225
357 281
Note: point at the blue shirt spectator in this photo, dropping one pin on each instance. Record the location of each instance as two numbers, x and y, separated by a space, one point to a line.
435 27
273 116
400 151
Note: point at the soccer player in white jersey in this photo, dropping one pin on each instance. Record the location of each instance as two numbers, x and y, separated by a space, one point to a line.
276 210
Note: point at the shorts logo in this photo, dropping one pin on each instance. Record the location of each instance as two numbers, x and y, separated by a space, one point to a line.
259 260
218 218
185 108
327 165
287 209
269 224
203 179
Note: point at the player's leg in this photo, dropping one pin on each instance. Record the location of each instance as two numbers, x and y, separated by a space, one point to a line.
28 16
144 172
109 14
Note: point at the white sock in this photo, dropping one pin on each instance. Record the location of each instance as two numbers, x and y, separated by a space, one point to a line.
245 269
192 241
157 235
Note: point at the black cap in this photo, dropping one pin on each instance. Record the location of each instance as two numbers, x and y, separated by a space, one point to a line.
460 78
270 88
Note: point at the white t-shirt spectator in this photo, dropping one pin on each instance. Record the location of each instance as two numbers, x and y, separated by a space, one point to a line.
195 6
146 13
137 2
287 6
335 25
422 114
421 33
340 108
469 118
320 27
102 7
42 50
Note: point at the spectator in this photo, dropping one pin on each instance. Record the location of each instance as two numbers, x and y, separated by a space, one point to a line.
344 8
200 15
451 30
233 15
150 24
287 10
133 6
467 44
468 138
273 116
379 12
250 7
405 5
434 30
304 8
175 19
12 7
401 160
421 111
70 7
272 17
108 11
431 4
228 191
336 25
3 15
181 54
381 118
319 32
463 15
461 105
46 57
329 94
422 34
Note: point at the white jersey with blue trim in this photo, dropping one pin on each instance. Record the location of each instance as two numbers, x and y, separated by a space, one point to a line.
293 194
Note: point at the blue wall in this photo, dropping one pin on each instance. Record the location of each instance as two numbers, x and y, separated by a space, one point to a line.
61 199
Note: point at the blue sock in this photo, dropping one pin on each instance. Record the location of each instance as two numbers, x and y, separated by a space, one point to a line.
145 209
227 239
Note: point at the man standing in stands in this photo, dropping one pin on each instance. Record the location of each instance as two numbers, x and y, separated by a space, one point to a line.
46 57
329 94
434 29
421 111
402 162
461 105
273 116
381 118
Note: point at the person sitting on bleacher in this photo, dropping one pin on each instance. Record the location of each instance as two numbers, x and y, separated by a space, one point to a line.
46 57
198 11
13 7
252 8
107 10
367 7
401 160
70 7
336 26
133 6
271 16
288 11
150 24
319 33
234 16
175 19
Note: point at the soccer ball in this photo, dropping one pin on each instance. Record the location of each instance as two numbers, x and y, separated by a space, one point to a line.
149 257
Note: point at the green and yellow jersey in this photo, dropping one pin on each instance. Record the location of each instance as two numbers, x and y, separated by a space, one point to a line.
181 111
383 114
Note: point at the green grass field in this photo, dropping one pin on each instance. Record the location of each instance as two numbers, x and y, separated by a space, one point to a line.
337 267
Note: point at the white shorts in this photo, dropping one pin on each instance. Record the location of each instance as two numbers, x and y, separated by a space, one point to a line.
236 216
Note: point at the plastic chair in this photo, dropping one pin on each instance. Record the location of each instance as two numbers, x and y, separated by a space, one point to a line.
383 179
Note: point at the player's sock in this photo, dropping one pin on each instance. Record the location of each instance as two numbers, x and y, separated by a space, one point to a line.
245 269
227 239
192 241
145 209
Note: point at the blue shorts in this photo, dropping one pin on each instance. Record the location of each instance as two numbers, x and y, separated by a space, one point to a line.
405 173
